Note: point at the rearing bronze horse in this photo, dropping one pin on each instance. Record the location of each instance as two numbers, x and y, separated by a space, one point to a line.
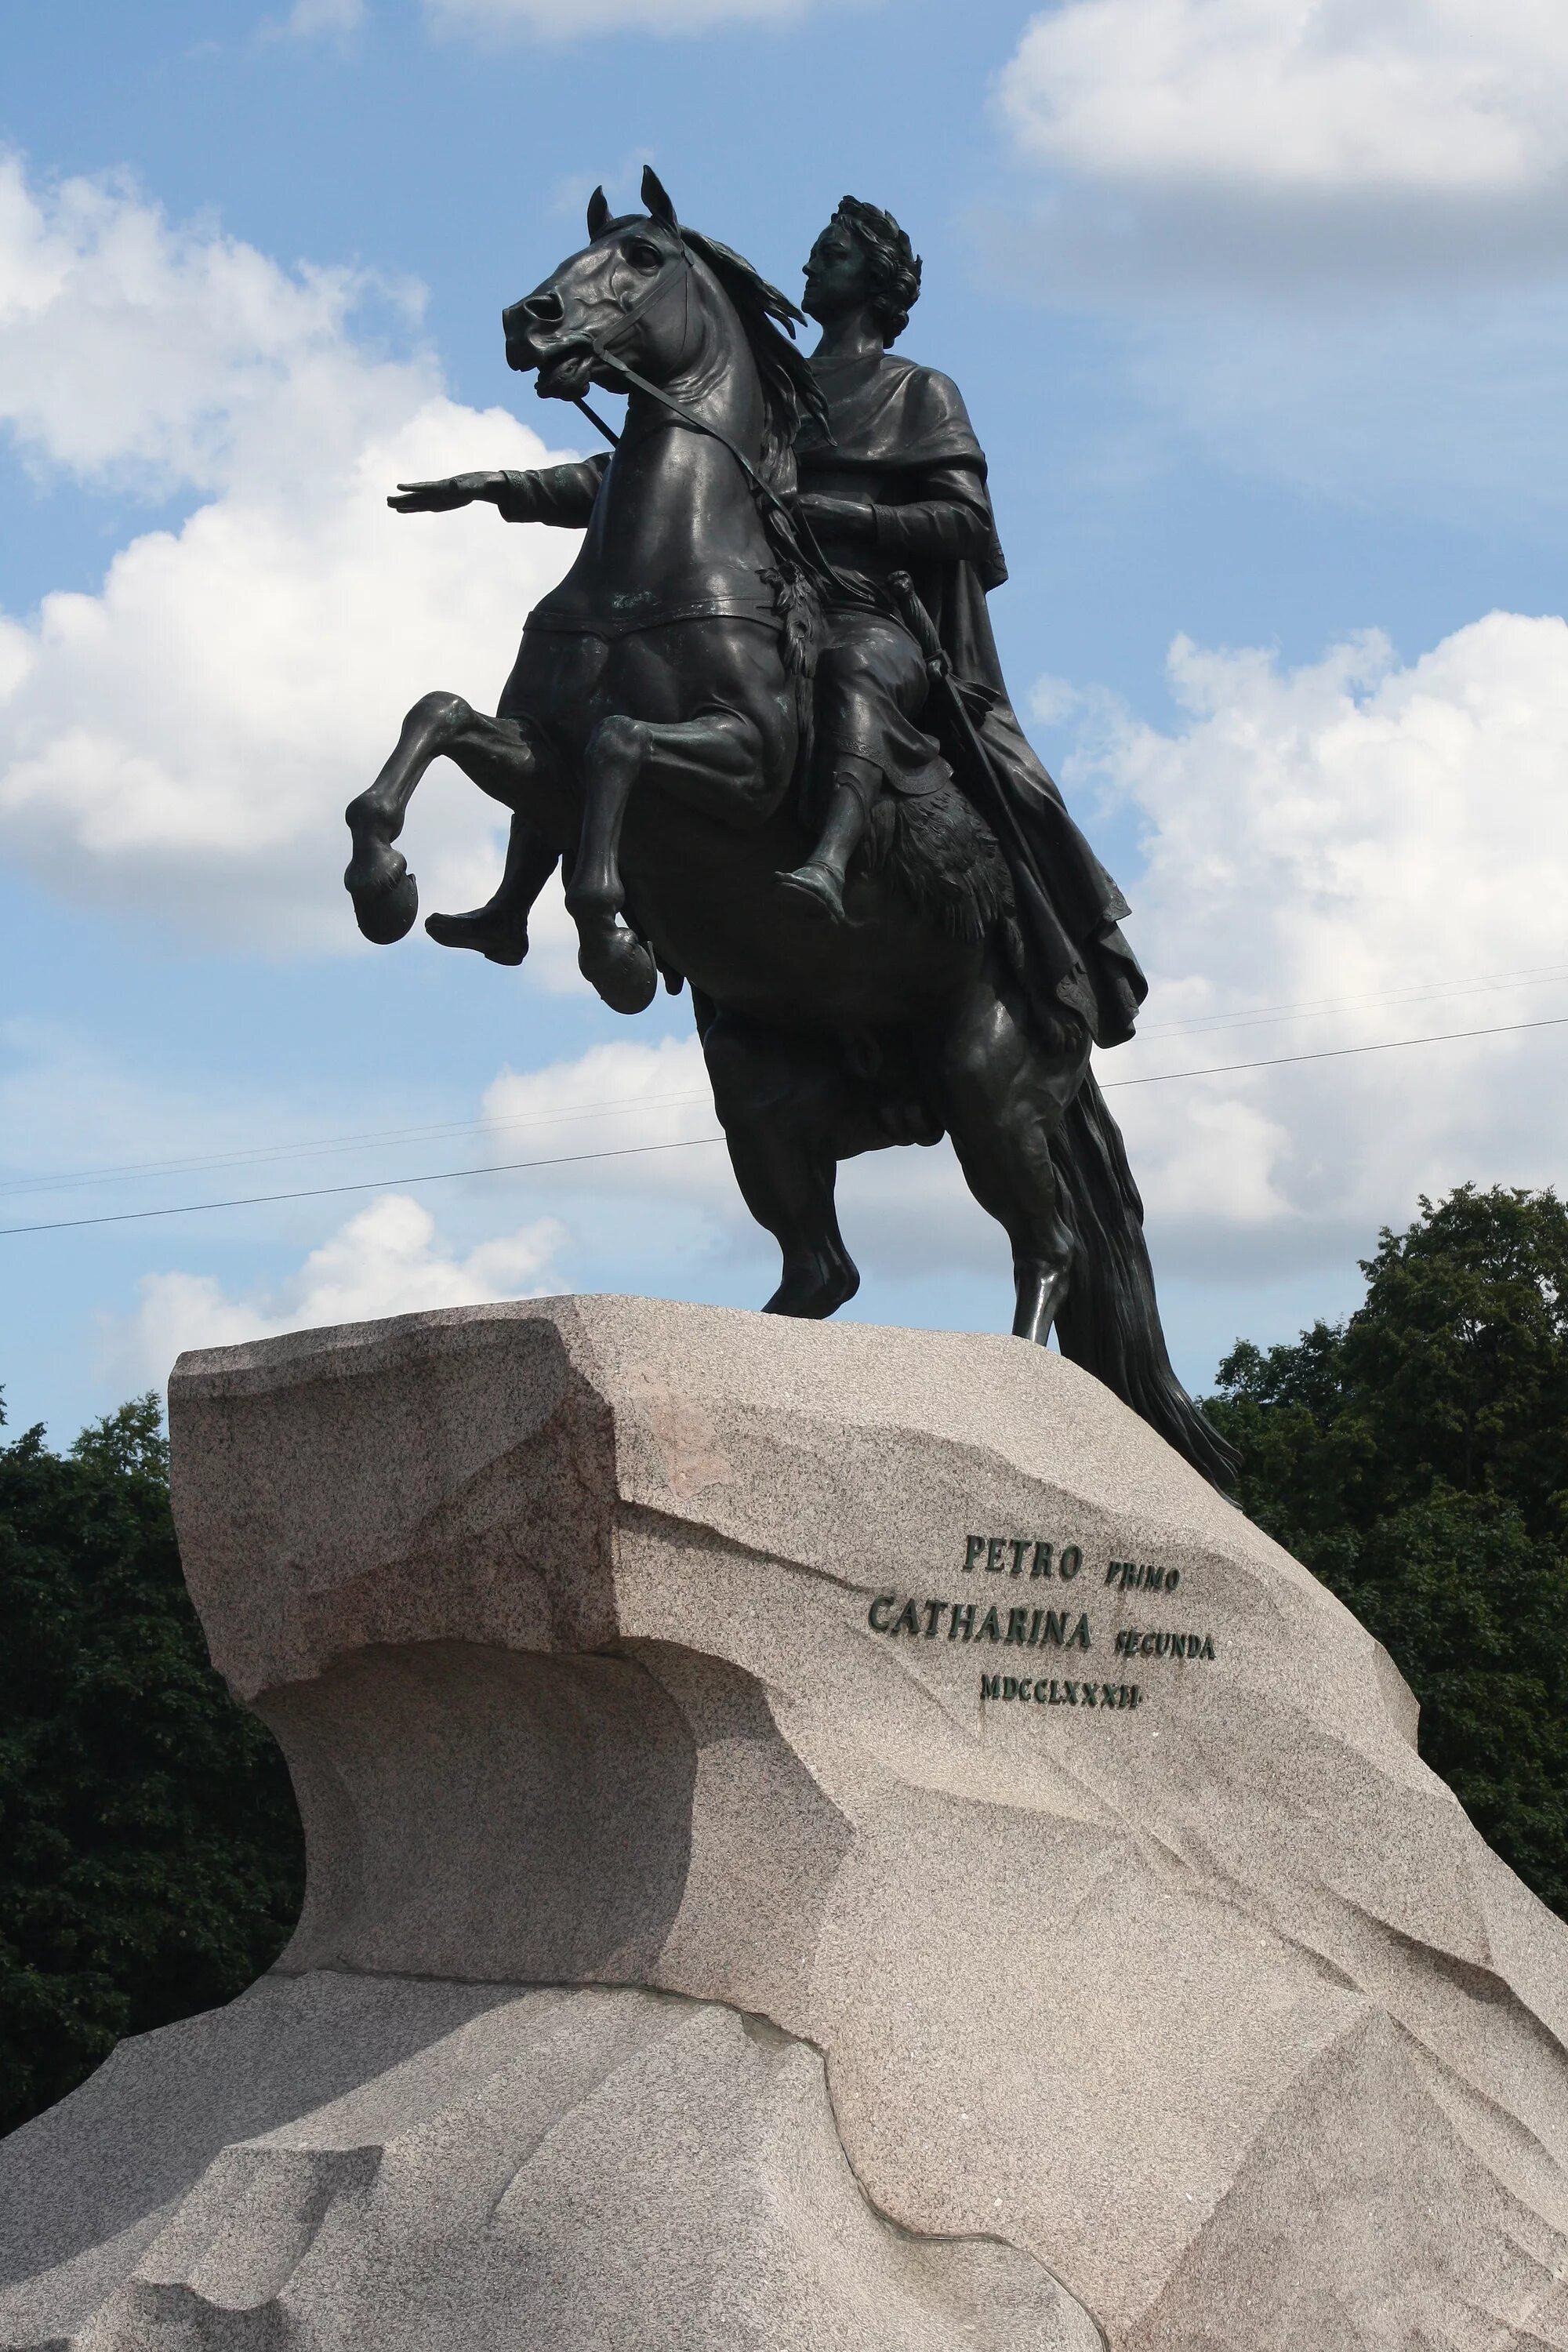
653 727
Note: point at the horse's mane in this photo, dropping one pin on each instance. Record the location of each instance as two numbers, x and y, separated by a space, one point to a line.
790 391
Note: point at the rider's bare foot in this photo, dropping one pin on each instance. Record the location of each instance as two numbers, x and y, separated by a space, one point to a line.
493 932
820 883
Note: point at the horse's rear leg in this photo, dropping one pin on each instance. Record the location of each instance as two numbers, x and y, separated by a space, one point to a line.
784 1108
1002 1096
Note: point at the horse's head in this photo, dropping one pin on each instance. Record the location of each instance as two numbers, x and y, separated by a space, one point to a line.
635 292
665 300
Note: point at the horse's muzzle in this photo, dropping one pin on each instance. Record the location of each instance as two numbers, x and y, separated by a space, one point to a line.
518 329
532 331
565 367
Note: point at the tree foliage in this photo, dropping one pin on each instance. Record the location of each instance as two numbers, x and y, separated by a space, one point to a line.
1416 1457
150 1852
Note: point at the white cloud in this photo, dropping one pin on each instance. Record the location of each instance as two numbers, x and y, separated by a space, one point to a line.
901 1208
180 746
1269 143
1356 828
611 1097
1330 236
566 19
166 353
1445 95
1345 831
596 1213
387 1260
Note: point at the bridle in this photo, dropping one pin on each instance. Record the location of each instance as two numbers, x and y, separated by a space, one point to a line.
799 539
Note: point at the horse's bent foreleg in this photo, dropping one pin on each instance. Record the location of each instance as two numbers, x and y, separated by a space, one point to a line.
781 1102
718 751
1003 1095
385 895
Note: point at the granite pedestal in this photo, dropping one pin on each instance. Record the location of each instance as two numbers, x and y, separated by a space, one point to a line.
818 1836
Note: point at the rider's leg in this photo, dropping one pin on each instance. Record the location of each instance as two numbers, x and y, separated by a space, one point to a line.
1003 1095
856 784
498 929
715 762
871 687
782 1103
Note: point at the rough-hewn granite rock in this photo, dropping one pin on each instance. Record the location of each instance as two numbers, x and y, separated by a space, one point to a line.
580 1620
350 2162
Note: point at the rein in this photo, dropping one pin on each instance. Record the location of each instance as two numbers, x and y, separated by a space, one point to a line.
800 540
795 531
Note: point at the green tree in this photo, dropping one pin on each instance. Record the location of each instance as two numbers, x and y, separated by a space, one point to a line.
1416 1457
151 1860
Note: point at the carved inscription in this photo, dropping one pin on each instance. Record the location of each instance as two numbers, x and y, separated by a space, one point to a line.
1060 1693
1014 1626
1030 1629
1134 1575
1005 1556
1132 1644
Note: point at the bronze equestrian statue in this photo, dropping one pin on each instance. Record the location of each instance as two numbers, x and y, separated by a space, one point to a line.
763 722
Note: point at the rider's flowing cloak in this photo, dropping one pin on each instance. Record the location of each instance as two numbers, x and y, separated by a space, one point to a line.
892 418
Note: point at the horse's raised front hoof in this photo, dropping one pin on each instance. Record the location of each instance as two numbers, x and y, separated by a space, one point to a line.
621 969
816 1289
385 895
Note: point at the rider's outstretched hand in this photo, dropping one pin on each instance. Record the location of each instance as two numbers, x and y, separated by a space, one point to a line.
441 497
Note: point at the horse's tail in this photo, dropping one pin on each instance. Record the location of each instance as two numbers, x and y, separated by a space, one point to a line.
1111 1321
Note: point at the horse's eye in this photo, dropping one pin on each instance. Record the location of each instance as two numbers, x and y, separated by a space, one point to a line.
643 256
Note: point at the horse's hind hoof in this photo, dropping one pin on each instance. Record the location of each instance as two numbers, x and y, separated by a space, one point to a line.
814 1289
621 969
385 895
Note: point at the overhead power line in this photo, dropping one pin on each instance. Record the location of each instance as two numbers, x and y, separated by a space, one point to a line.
691 1142
1337 1053
319 1146
365 1184
1252 1016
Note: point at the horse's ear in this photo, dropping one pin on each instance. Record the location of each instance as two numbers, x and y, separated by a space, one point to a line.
599 213
656 196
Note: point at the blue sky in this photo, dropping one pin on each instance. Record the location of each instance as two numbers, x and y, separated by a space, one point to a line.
1259 310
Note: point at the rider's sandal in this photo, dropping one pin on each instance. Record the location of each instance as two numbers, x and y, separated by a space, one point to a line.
818 882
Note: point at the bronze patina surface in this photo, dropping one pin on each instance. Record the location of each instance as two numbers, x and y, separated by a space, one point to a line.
764 723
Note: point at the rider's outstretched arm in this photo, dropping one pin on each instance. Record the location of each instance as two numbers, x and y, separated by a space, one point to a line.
554 494
562 495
